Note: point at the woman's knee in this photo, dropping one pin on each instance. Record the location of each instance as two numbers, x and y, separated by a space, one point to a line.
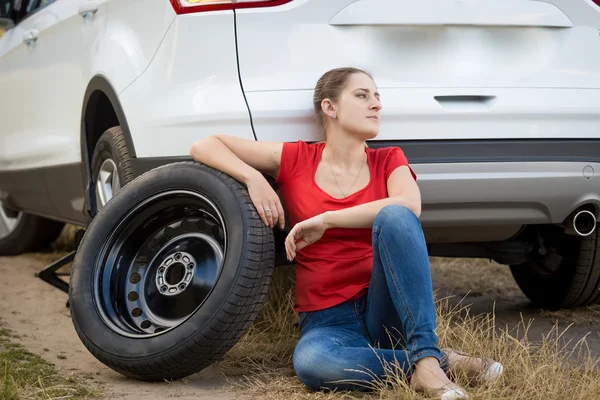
397 217
313 364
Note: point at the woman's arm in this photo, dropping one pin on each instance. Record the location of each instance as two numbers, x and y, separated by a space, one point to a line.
402 189
246 161
237 157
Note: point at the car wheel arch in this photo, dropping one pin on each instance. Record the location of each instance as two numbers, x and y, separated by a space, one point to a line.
101 110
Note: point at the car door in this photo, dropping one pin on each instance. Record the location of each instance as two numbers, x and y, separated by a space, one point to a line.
3 44
15 61
59 38
25 188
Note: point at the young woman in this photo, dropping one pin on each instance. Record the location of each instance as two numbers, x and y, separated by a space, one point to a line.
363 284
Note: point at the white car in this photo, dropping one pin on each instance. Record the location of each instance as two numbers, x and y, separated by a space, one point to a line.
495 103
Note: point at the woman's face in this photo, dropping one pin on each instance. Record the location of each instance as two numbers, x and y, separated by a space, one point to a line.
358 107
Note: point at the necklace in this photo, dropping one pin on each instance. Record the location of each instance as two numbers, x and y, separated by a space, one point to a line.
355 178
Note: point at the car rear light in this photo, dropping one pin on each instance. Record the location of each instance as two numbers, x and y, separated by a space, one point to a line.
597 2
192 6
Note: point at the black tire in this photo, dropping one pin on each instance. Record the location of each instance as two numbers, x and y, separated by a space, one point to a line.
112 146
568 276
31 233
224 314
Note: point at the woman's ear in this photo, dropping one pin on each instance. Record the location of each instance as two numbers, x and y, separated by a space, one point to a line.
328 108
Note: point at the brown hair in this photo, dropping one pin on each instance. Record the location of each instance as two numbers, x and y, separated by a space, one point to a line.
330 86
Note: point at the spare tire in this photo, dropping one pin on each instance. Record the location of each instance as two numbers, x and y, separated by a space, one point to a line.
171 272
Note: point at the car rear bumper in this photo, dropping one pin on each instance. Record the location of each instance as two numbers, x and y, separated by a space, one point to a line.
519 193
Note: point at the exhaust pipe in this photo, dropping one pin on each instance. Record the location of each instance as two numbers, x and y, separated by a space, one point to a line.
580 223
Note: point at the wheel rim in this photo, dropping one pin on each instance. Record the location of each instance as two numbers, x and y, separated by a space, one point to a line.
160 264
8 221
107 182
558 254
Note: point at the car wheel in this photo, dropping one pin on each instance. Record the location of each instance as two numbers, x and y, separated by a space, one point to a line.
171 272
21 232
111 165
567 275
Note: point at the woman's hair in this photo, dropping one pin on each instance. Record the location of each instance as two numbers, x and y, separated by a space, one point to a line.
330 86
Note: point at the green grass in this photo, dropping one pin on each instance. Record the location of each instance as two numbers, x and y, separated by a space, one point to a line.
24 375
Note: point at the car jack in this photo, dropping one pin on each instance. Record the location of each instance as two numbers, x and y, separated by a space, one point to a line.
49 274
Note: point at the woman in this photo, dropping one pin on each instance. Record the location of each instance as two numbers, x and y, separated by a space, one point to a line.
363 285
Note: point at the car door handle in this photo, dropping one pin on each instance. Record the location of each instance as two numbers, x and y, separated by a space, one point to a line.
87 8
30 36
466 102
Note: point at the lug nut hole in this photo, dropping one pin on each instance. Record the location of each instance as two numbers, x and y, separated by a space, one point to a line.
135 278
133 296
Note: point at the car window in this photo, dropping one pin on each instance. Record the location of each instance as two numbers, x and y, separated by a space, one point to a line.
5 8
17 10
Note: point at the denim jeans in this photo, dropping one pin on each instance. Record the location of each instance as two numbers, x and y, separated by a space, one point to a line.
394 322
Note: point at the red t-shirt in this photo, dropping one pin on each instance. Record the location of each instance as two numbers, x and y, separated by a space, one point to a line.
338 266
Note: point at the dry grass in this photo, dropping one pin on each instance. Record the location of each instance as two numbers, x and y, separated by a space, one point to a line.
261 362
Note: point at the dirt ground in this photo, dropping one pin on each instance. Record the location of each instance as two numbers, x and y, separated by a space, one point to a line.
37 313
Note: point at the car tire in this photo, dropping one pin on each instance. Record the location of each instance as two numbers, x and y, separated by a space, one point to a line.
184 213
111 165
567 276
21 232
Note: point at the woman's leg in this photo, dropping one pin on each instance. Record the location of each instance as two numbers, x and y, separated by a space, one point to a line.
401 299
400 295
400 302
334 347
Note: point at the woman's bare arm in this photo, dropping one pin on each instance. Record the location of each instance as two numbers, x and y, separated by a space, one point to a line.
237 157
402 189
246 161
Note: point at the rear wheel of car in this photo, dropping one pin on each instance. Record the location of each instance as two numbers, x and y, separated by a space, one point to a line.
567 274
21 232
171 272
111 165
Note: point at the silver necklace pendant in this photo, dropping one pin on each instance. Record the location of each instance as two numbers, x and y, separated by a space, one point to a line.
355 178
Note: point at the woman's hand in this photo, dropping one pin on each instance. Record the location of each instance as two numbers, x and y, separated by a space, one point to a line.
266 201
304 233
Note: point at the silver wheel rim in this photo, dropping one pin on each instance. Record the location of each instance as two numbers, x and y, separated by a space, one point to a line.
132 290
107 183
8 223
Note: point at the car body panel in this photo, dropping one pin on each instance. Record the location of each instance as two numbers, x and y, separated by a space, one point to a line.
524 72
188 94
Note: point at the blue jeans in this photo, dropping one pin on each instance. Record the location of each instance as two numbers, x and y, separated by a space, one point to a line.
394 322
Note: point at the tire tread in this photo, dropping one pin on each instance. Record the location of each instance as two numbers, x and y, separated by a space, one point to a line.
235 315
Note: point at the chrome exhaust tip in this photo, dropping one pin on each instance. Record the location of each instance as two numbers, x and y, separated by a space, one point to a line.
580 223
